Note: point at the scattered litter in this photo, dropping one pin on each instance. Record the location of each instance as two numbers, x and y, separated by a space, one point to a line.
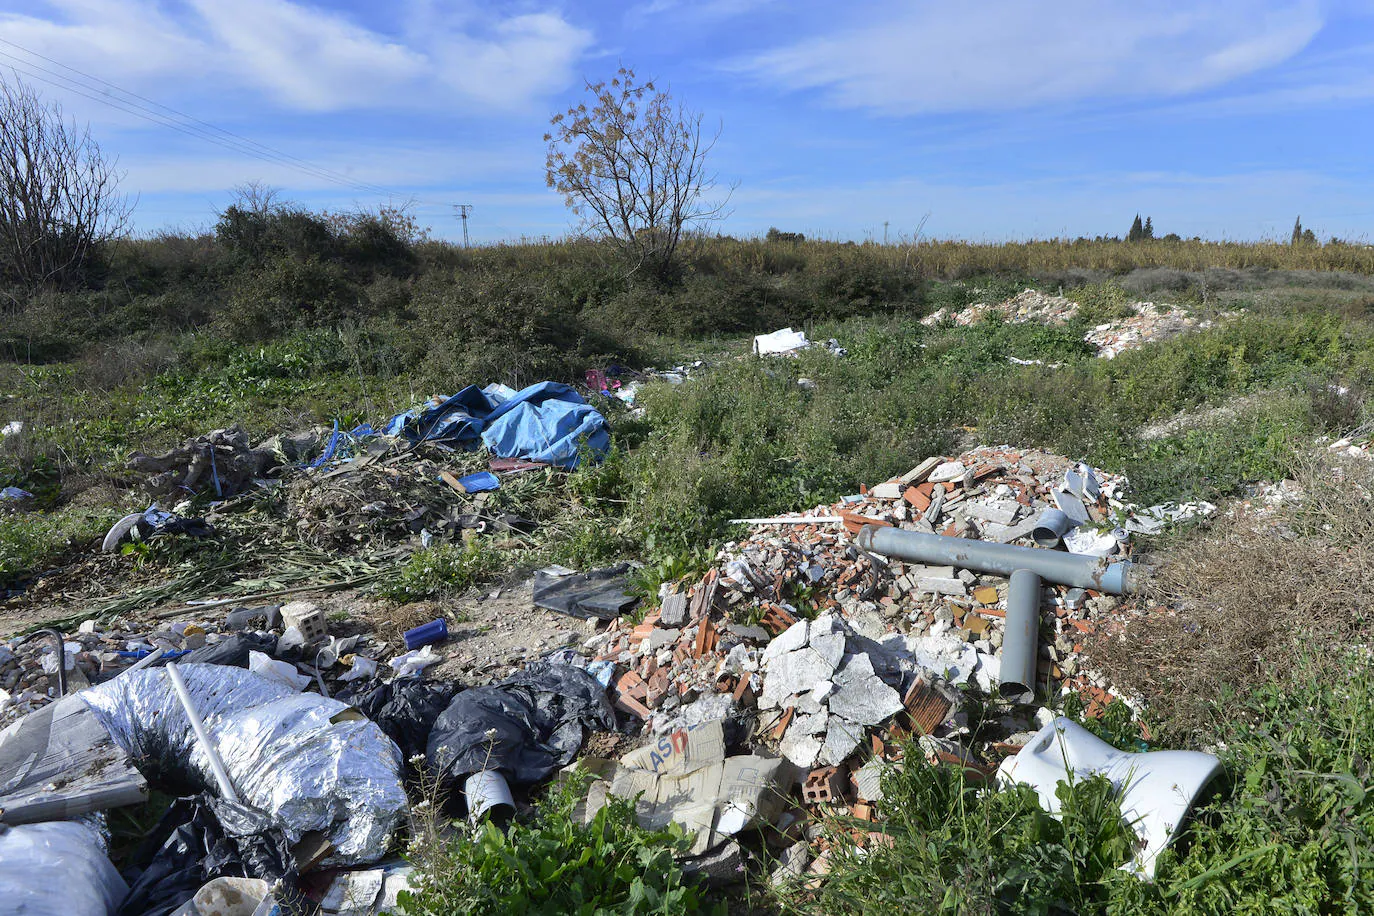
412 663
481 482
140 526
12 428
425 634
281 672
15 493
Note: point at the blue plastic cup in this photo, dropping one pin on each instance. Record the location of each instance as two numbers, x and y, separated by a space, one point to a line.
425 634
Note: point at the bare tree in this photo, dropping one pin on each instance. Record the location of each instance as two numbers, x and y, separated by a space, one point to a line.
633 167
59 196
256 197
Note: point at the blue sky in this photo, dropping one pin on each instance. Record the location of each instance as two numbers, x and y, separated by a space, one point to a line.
987 119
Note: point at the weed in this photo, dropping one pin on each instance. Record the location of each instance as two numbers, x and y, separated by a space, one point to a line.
441 570
553 863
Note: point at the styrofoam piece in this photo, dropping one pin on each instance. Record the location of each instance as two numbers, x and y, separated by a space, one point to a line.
1157 787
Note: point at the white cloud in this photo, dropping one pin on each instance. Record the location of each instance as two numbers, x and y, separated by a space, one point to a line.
934 56
305 58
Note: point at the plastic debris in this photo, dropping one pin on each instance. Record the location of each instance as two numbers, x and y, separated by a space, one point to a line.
525 728
413 662
1158 788
57 868
780 342
599 593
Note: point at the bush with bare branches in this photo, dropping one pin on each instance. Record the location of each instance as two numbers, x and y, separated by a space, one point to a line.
59 194
633 167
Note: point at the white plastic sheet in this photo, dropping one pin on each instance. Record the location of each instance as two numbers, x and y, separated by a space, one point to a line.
783 341
58 868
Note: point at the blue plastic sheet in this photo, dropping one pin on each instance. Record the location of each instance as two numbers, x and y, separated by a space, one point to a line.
544 422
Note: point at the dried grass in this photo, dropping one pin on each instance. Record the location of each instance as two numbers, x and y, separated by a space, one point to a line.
1238 602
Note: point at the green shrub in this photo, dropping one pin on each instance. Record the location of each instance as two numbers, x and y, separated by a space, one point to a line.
441 570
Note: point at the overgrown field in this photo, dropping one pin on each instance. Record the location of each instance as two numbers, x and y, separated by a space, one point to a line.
284 322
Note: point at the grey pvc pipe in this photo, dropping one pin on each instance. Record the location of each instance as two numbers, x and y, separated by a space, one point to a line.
1051 527
1000 559
226 785
1021 641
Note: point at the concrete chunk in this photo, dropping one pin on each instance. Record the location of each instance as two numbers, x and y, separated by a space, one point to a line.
861 696
789 640
951 586
841 739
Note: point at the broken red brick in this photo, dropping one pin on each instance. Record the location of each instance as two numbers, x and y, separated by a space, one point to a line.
823 786
786 720
631 684
920 501
744 692
928 707
631 705
775 620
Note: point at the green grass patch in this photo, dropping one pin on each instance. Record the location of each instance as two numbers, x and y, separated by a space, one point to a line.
554 864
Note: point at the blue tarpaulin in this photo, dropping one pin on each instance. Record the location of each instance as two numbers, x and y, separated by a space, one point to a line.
544 422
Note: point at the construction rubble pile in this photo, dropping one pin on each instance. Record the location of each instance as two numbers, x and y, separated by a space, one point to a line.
751 707
1149 323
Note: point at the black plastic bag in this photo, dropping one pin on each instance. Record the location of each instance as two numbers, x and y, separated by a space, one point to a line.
526 727
599 593
200 838
232 650
405 708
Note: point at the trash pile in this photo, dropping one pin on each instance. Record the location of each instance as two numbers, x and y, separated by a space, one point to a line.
819 650
1149 323
222 461
826 640
391 493
286 750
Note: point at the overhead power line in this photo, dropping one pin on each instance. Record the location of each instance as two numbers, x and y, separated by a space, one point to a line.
166 116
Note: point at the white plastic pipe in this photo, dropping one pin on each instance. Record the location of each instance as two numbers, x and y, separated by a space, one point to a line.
144 662
226 787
